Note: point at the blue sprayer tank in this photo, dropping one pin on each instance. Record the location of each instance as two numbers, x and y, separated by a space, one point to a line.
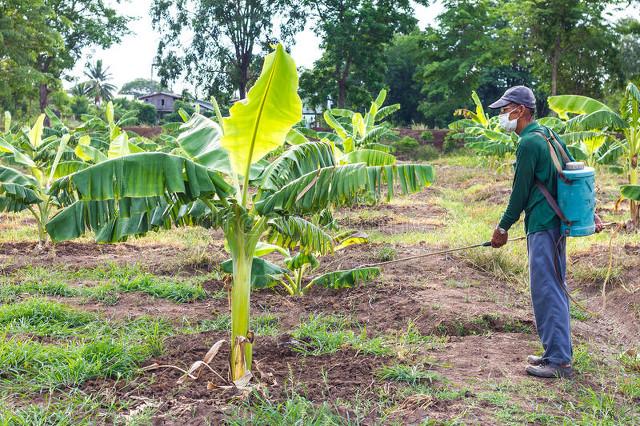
577 200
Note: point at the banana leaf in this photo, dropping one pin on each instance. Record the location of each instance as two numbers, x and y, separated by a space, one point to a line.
345 278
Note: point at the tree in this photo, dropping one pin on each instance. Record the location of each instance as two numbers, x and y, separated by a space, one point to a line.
354 34
24 35
228 37
571 43
80 24
141 86
404 57
471 47
98 85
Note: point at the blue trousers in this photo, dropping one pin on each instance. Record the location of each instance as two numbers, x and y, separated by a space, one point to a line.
547 269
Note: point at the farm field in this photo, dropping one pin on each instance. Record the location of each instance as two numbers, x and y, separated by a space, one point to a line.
92 333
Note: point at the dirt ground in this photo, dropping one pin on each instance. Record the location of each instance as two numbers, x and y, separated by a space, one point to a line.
486 323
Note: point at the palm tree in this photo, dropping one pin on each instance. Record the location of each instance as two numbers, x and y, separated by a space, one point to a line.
81 89
98 83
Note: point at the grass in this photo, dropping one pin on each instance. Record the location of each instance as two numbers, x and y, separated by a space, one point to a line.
111 281
326 334
78 345
295 410
266 324
412 374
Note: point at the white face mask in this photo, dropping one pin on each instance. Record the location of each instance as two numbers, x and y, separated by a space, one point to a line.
506 124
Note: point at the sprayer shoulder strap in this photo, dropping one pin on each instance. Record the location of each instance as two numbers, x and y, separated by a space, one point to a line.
556 161
554 155
553 203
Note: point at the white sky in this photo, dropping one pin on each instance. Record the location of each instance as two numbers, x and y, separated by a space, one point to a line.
132 58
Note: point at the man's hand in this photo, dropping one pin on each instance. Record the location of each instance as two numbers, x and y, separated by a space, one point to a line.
599 224
500 238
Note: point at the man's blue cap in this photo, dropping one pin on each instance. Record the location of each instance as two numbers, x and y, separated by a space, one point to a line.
519 95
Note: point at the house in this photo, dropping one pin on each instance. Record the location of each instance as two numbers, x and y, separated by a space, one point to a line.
163 101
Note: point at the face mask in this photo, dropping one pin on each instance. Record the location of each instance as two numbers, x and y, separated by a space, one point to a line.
506 124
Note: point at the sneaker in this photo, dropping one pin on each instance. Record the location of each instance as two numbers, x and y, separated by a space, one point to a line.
535 360
550 371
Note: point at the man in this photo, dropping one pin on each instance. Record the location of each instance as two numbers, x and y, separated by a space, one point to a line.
545 246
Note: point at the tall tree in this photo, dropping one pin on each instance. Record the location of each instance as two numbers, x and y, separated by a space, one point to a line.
571 42
141 86
80 24
404 57
354 34
227 38
98 84
472 47
24 34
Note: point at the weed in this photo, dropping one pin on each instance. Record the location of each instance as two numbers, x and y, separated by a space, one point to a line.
386 254
296 410
412 374
326 334
165 289
42 317
262 325
631 360
577 313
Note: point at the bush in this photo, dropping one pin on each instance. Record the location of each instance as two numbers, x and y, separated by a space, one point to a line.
79 106
426 136
405 145
411 148
147 113
427 152
452 142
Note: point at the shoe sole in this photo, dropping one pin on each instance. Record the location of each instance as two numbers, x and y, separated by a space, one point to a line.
558 374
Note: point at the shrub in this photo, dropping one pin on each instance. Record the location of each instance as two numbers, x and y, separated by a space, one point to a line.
409 147
427 152
79 106
147 113
452 142
405 145
426 136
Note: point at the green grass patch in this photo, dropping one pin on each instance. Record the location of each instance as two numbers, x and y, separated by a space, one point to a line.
266 324
326 334
411 374
78 345
295 411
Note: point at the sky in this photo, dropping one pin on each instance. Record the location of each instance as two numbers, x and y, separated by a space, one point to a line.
132 58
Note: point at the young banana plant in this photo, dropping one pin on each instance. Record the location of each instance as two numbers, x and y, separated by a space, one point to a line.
358 137
265 274
218 182
26 186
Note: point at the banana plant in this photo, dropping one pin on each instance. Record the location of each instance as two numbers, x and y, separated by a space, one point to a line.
586 114
358 136
481 133
212 185
293 278
26 186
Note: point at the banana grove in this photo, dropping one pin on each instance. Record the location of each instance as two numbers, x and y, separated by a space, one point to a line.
220 178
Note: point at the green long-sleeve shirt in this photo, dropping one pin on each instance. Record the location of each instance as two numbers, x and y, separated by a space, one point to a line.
533 162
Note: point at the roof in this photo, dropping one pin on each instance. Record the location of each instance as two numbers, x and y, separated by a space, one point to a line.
151 95
204 104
